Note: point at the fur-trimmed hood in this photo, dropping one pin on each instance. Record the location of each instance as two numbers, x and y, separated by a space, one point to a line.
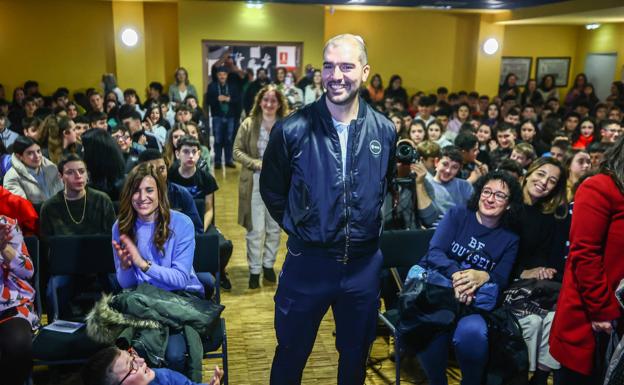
104 323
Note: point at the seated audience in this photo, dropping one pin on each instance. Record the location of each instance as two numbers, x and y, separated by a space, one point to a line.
156 245
429 154
472 246
586 133
578 163
610 130
32 176
436 133
524 154
543 191
106 173
512 168
529 134
18 318
505 142
472 169
596 154
113 366
435 195
7 136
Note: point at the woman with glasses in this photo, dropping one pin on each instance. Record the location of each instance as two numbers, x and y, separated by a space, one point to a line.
263 233
543 194
111 366
153 244
472 246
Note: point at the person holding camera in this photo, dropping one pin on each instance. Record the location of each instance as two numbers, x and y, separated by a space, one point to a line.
435 195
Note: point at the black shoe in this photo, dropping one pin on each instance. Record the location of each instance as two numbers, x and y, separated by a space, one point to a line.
254 281
225 282
218 166
269 274
230 165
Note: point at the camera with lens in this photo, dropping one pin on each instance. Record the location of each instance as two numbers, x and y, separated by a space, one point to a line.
406 155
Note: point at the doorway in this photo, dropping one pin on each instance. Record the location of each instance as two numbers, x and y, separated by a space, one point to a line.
600 71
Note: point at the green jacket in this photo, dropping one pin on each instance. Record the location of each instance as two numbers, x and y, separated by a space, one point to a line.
143 317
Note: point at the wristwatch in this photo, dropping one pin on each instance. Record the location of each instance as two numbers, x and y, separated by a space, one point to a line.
147 267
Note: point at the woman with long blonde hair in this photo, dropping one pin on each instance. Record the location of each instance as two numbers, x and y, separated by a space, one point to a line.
263 233
156 245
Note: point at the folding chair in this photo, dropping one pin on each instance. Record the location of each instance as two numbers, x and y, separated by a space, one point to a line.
401 249
207 260
72 255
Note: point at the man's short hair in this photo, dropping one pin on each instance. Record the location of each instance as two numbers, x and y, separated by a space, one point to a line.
525 149
572 114
425 101
466 140
81 119
428 149
129 92
334 41
564 145
504 126
443 112
513 112
29 122
598 147
453 153
509 165
184 107
94 116
98 370
156 86
133 114
442 90
188 140
71 157
608 122
29 99
149 155
59 93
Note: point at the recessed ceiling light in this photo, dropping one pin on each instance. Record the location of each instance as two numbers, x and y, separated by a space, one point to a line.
589 27
255 4
129 37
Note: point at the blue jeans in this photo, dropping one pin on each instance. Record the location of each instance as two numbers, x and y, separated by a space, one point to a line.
470 341
310 283
175 353
223 129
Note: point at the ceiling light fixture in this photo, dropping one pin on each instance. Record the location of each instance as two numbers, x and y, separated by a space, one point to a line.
129 37
255 4
490 46
592 26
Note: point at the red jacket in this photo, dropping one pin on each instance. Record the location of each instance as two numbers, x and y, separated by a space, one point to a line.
593 270
14 206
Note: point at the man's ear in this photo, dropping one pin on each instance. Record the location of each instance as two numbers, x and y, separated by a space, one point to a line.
365 72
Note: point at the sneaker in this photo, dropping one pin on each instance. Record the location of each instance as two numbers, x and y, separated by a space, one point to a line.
269 274
254 281
225 282
230 165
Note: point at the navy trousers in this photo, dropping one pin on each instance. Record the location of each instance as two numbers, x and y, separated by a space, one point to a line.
310 283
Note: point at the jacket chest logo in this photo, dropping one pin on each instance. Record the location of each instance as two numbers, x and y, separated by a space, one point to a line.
375 147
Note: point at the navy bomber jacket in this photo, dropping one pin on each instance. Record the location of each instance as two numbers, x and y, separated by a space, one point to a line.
302 184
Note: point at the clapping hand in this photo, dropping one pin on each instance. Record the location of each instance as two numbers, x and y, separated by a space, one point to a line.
216 377
128 253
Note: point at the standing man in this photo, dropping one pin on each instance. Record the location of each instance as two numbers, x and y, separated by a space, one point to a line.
324 177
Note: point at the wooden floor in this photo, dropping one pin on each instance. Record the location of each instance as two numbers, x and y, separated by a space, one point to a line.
249 316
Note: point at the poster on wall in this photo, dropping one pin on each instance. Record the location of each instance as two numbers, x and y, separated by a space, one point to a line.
520 66
559 67
252 55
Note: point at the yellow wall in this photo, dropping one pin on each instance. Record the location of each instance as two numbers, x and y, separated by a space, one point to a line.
62 42
130 61
539 41
199 20
161 41
608 38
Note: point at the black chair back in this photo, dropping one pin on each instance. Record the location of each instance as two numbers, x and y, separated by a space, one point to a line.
206 253
404 248
81 254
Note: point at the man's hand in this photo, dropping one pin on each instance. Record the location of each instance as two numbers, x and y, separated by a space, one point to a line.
419 170
602 326
216 376
539 273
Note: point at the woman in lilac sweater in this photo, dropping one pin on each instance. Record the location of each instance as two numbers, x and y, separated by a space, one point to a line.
154 244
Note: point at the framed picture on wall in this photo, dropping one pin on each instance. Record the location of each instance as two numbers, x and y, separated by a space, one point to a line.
520 66
251 56
559 67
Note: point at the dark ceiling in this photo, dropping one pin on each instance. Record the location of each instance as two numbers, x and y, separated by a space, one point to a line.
441 4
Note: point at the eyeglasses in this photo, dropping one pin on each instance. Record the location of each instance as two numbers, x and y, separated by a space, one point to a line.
134 366
498 195
121 138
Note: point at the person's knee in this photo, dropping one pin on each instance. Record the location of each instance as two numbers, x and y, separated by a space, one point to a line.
176 352
531 325
470 330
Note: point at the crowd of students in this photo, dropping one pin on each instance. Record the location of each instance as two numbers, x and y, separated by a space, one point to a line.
482 160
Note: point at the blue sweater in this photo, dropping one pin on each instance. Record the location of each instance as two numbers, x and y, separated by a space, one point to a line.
460 242
171 270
